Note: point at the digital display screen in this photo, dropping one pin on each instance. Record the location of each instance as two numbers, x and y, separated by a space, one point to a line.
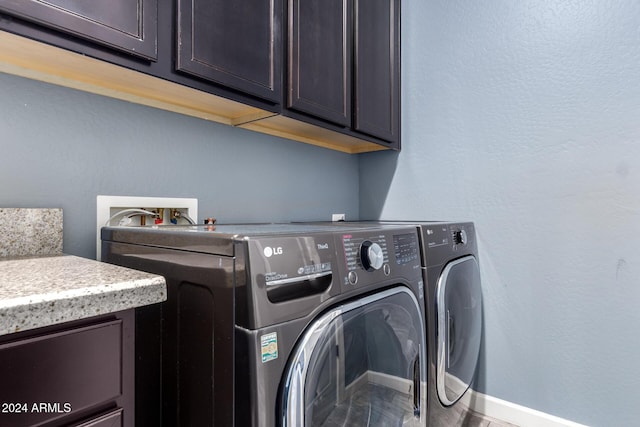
406 248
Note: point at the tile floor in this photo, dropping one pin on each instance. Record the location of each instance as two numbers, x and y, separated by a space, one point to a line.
372 405
376 406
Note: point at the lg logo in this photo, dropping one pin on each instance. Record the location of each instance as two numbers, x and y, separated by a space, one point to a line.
269 251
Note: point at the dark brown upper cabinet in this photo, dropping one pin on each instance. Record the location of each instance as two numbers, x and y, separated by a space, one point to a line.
233 43
126 25
323 72
320 59
376 68
344 64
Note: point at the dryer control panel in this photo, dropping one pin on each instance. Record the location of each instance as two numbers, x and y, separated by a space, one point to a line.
444 239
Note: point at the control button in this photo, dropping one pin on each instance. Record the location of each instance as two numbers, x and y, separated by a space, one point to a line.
460 237
386 269
371 255
353 277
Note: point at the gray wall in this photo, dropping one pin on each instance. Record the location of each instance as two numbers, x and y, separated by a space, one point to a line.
61 148
524 116
519 115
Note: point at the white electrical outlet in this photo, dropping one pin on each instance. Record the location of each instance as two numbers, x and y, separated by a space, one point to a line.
122 210
338 217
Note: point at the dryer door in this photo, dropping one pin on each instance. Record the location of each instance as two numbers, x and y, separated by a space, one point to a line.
459 311
361 364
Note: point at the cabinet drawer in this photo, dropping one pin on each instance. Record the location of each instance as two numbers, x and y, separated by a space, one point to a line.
55 375
112 419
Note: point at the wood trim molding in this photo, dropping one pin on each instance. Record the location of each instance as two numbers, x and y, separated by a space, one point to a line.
39 61
287 127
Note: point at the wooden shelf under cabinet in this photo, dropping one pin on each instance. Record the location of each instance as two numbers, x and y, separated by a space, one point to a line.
39 61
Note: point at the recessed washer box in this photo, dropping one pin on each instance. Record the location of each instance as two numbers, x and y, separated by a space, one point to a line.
109 207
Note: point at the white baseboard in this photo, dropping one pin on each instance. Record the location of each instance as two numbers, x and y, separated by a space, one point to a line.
512 413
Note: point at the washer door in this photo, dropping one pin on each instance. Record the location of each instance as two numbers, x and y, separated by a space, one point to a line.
459 311
361 364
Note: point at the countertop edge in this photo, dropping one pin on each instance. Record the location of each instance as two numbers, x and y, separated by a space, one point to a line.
87 288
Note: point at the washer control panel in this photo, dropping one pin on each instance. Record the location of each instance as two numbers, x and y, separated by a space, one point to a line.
364 252
406 249
378 257
371 255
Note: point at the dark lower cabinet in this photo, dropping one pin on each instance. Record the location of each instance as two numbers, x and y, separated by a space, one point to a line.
126 25
110 419
320 59
233 43
74 374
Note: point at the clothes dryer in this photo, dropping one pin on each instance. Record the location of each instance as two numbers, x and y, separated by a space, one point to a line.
454 317
278 325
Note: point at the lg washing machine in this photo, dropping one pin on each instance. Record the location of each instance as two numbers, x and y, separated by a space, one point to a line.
285 325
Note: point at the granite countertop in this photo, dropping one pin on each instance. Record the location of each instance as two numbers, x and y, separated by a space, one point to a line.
27 232
45 290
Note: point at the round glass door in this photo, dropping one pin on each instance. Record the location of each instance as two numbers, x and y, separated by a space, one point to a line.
361 364
459 314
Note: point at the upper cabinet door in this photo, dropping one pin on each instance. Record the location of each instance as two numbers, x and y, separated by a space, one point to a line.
126 25
320 59
377 68
233 43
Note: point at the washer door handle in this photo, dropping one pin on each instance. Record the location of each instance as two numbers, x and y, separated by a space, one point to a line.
451 341
416 386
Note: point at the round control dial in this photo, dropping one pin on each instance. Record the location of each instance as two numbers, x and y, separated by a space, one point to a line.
460 237
371 255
